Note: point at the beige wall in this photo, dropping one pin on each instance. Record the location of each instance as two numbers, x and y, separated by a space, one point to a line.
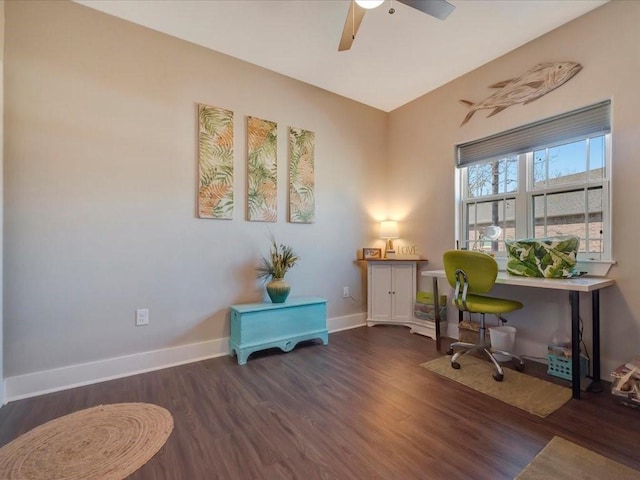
423 133
101 175
100 182
2 396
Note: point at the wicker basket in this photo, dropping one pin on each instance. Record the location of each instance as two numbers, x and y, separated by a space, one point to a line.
469 332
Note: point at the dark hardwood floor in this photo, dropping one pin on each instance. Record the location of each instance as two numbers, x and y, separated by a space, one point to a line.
359 408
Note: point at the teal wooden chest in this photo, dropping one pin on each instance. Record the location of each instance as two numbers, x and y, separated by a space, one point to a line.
258 326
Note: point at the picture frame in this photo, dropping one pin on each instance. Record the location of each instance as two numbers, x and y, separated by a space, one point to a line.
372 254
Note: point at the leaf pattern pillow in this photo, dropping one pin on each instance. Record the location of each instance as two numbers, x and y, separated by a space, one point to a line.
553 257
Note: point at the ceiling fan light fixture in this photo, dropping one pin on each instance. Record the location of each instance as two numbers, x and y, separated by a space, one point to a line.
357 8
369 4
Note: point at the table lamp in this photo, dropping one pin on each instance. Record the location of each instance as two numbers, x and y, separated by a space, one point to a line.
388 231
491 233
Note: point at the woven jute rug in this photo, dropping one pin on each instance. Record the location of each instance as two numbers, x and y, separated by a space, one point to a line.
561 459
107 442
528 393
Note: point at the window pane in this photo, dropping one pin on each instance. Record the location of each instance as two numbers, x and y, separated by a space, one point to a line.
596 158
471 228
567 164
510 180
565 214
484 214
595 225
540 168
493 177
560 214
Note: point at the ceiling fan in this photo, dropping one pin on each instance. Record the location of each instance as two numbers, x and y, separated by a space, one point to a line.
436 8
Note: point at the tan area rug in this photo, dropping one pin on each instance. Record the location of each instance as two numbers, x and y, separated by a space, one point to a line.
108 442
564 460
531 394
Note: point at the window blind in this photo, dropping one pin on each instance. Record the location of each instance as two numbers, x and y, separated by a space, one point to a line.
591 120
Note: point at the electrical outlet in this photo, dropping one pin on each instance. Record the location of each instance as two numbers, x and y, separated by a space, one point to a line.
345 292
142 317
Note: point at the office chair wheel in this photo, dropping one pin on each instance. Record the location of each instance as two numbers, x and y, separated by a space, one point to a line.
498 377
450 351
519 365
455 365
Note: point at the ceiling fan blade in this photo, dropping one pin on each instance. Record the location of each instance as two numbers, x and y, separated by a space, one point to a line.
351 25
436 8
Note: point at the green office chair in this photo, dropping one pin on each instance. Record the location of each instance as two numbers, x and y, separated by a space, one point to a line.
470 274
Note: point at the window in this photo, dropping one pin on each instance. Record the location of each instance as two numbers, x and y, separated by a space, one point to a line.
543 190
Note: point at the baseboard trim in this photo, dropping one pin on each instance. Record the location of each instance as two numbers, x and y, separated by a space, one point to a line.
54 380
48 381
339 324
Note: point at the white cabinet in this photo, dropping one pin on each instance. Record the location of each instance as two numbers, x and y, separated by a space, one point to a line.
391 294
391 291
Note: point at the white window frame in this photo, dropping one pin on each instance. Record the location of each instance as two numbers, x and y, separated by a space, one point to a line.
525 193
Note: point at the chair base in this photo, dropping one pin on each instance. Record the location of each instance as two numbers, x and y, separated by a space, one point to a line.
489 351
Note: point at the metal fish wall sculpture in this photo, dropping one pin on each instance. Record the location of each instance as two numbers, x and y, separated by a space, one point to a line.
526 88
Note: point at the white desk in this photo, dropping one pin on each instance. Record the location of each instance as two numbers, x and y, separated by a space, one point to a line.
574 286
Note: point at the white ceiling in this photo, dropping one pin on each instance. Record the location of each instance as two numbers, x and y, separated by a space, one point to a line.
394 59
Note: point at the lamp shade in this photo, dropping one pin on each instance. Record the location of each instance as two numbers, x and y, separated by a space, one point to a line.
389 229
492 232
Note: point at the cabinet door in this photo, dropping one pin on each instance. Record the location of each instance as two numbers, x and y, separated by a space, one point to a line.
403 281
379 291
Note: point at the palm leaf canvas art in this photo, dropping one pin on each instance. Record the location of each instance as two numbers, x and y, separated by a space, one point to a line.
262 163
215 162
301 175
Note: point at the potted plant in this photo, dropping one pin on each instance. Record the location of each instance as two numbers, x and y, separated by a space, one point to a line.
274 267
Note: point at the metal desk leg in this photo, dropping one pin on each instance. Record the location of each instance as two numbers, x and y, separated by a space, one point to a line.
436 306
575 344
595 385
